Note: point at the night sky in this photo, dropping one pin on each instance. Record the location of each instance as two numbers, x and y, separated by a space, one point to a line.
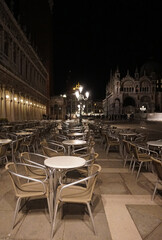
92 37
82 40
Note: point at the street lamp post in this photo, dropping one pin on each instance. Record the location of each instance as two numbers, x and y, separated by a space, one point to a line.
81 97
142 109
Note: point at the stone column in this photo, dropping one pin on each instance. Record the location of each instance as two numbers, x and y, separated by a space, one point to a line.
19 107
3 102
12 106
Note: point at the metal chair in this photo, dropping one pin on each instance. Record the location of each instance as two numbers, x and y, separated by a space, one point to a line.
29 143
3 153
50 149
73 193
37 160
32 188
111 142
127 153
157 168
16 149
140 156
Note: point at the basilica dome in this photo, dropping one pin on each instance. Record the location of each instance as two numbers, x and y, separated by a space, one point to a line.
151 69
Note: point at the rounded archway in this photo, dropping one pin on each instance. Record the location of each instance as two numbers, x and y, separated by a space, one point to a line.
129 105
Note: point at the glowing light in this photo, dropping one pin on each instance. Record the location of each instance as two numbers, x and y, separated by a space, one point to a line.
77 94
80 89
87 94
143 108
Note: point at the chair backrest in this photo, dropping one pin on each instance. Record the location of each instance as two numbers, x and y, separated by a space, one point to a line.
56 146
49 152
3 150
12 170
134 151
126 145
157 164
94 171
17 175
33 158
16 144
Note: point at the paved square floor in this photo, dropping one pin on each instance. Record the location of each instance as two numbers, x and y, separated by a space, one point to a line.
122 208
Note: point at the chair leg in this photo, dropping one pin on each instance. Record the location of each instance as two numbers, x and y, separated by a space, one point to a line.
91 216
6 159
134 162
130 165
49 210
153 195
54 219
139 169
16 211
107 150
125 160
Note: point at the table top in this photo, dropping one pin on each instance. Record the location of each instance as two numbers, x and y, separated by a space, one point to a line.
127 133
64 162
75 134
24 133
75 129
30 129
156 143
74 142
5 141
7 126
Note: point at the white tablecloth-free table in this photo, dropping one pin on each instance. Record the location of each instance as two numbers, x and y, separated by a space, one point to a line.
60 163
156 143
73 142
5 141
76 134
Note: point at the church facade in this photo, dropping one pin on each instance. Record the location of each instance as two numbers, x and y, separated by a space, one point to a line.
126 95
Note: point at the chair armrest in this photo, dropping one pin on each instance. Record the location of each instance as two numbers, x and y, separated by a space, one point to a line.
57 145
79 149
52 150
76 183
29 178
148 151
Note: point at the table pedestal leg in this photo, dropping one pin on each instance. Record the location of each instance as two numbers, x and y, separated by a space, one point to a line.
69 150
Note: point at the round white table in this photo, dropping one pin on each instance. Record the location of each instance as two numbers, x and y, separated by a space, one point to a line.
73 142
76 134
128 134
24 133
156 143
64 162
75 129
30 129
60 163
5 141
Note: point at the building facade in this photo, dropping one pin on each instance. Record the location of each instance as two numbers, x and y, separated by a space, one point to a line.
58 107
126 95
23 78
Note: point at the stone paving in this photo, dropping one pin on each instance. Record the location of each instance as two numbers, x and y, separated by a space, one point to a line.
122 207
